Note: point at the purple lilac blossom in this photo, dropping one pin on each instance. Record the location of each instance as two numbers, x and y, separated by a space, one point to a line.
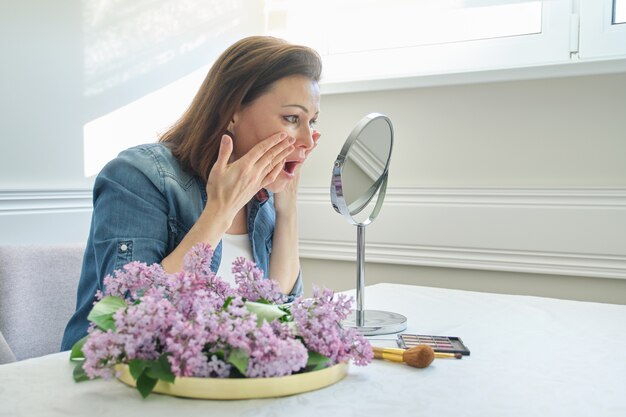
318 323
252 286
102 351
272 356
133 279
184 315
142 327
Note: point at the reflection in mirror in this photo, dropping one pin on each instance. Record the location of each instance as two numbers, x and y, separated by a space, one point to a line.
357 192
365 164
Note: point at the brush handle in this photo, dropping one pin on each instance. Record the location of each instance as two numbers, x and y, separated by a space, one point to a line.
393 354
394 351
390 356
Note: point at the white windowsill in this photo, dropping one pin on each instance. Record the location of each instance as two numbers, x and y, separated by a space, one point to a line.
568 69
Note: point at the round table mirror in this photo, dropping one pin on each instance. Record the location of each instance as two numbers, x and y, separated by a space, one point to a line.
357 192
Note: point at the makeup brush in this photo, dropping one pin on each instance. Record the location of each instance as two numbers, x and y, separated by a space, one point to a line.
419 356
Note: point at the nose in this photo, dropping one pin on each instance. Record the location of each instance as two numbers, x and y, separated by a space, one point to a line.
306 138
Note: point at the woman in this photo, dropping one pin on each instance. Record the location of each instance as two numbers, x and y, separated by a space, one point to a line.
225 174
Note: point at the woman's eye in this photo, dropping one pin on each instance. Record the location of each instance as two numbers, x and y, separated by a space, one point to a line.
291 119
313 122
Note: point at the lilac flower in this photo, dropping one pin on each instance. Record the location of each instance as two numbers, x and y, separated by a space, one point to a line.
272 356
133 280
318 323
185 344
198 321
198 260
198 280
232 327
102 351
252 286
188 292
143 327
213 368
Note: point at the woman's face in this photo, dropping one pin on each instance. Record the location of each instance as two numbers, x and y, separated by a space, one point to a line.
291 106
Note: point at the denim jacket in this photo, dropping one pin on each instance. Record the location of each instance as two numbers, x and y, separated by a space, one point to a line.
143 205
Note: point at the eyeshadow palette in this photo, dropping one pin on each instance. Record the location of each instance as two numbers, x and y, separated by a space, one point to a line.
445 344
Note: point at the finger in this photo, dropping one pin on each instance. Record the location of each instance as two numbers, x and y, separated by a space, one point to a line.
279 159
272 145
274 156
226 149
274 167
273 174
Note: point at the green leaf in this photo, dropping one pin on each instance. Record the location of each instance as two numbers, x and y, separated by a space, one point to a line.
102 313
227 302
161 369
79 373
77 350
239 359
288 317
145 384
137 367
268 312
316 361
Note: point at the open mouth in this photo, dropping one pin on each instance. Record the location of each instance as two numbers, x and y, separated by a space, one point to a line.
290 167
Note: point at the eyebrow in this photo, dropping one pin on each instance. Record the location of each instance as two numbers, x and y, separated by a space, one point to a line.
300 107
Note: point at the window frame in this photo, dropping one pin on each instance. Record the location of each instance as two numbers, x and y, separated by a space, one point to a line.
599 37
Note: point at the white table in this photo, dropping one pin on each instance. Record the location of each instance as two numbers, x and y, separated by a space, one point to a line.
530 356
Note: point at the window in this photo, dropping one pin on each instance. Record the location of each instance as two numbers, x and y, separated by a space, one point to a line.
368 39
602 28
368 42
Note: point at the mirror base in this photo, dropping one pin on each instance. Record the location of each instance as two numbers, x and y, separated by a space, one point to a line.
377 322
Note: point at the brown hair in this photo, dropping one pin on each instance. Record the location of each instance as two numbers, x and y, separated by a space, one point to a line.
243 72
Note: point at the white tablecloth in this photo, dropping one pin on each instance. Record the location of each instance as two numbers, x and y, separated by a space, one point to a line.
530 356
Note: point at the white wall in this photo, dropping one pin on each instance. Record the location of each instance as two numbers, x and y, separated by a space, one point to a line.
522 176
535 133
65 65
525 180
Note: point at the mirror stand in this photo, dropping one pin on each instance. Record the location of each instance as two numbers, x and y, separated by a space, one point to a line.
371 322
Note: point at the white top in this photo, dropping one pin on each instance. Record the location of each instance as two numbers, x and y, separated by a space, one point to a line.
530 356
233 246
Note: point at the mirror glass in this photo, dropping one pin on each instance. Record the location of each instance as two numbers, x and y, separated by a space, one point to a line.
361 168
366 162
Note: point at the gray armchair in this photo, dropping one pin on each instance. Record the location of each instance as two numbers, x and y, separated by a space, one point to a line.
37 298
6 354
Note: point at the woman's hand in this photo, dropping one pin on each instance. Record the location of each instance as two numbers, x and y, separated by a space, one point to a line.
285 257
231 185
229 188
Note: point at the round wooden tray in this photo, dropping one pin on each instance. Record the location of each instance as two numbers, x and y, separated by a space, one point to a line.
243 388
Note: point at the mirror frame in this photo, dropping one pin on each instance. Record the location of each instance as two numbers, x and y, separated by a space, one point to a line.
380 185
